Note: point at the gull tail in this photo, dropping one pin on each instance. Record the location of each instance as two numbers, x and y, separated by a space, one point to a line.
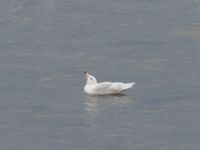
128 85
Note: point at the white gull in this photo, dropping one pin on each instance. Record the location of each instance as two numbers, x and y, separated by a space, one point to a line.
92 87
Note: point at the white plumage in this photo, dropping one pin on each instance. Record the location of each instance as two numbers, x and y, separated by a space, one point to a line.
92 87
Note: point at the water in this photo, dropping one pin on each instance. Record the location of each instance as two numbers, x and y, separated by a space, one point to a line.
46 45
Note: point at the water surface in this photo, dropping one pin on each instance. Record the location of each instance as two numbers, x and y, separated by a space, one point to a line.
46 45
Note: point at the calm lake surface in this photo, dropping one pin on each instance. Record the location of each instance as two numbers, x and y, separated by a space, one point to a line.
45 45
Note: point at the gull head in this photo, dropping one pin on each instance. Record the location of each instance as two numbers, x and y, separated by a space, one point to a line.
91 80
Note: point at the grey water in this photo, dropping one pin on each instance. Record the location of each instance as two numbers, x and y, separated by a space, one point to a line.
45 45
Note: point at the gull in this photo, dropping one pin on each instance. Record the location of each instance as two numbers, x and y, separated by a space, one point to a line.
92 87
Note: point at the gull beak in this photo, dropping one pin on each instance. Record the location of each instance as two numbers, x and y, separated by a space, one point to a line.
86 73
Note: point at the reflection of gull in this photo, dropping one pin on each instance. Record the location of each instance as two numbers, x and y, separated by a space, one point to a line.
92 102
104 88
91 105
95 106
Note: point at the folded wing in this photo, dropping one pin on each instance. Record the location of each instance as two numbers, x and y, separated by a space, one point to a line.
111 88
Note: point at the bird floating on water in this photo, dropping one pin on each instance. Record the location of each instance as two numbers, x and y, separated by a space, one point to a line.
92 87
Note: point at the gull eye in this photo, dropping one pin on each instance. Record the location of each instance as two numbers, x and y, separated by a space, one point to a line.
91 78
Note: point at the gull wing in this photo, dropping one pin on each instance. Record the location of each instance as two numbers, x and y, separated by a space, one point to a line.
111 88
